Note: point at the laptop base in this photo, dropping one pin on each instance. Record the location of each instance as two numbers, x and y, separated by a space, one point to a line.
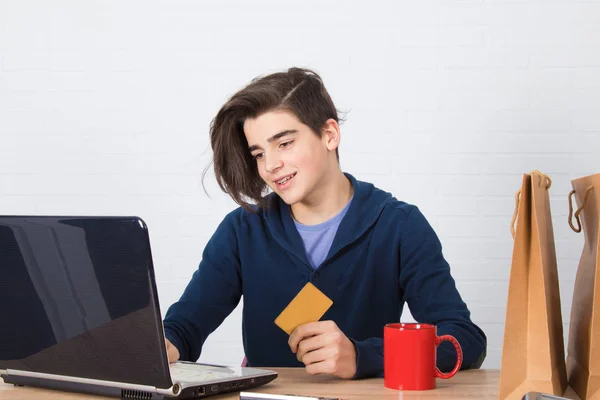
191 392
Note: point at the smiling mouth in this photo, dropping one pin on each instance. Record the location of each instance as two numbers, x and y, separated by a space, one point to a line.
285 179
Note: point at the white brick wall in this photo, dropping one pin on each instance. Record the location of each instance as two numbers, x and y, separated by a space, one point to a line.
105 106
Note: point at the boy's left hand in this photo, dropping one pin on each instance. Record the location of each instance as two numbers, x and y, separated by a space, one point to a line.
324 349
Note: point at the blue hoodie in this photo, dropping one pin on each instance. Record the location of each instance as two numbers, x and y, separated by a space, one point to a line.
384 254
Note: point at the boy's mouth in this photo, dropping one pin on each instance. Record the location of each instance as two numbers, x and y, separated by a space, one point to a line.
283 182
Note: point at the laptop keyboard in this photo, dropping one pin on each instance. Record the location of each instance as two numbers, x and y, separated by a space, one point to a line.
197 372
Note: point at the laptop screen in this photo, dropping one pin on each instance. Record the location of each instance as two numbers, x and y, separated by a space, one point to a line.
78 298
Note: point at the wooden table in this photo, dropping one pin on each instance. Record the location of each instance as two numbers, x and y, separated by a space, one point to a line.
476 384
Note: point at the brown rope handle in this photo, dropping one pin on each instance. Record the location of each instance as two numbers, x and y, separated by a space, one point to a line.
578 211
518 198
542 177
514 217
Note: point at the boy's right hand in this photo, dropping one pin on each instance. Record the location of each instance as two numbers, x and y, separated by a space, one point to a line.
172 352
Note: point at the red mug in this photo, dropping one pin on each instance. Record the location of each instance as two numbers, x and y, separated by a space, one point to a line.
409 356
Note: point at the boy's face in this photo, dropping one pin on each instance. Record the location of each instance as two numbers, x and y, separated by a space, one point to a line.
290 157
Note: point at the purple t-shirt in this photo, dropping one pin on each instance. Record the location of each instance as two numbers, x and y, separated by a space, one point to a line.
318 238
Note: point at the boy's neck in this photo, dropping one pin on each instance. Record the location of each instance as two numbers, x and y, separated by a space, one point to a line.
332 195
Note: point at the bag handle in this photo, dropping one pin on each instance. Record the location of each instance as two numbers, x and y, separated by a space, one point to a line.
518 198
514 217
542 177
578 211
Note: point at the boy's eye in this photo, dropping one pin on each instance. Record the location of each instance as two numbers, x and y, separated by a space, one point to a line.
286 144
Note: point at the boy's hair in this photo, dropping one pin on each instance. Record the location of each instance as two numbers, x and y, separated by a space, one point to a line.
297 90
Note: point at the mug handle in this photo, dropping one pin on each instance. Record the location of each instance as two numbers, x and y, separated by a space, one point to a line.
459 356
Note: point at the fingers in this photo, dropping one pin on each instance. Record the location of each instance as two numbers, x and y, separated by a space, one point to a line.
324 349
308 330
327 366
334 359
310 345
302 332
332 338
172 352
322 354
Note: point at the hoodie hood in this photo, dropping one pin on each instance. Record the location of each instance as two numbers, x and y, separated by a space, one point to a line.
366 207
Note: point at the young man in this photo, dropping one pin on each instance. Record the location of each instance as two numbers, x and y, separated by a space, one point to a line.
367 251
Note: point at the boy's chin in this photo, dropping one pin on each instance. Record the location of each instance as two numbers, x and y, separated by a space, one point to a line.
289 198
289 202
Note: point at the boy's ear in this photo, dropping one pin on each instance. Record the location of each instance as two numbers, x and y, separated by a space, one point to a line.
331 134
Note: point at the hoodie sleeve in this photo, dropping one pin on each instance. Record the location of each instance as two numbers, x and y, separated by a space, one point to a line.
432 296
213 292
369 358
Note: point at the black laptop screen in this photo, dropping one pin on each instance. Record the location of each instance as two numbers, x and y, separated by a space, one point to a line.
78 298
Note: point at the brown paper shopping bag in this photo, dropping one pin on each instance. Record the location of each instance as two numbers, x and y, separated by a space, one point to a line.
583 351
533 355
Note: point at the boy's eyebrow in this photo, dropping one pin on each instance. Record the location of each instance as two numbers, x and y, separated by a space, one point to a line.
274 137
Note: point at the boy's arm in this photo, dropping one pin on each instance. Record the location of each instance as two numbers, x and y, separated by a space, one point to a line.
211 295
432 297
431 294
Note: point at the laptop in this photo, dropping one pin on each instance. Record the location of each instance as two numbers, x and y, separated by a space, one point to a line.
79 312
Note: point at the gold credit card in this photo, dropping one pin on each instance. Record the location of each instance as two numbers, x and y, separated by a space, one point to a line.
309 305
